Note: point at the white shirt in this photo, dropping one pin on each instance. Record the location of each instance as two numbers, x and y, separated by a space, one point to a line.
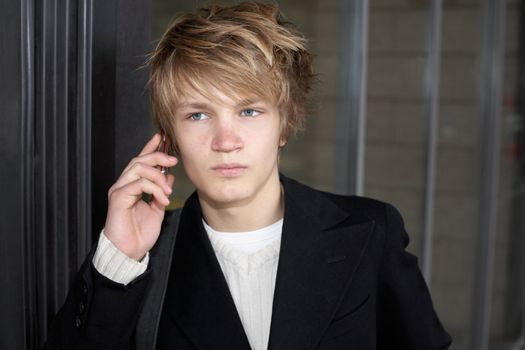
249 263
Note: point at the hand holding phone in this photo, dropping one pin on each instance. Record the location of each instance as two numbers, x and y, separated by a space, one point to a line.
162 147
132 224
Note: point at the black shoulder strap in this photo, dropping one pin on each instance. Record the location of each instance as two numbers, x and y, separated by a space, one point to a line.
160 262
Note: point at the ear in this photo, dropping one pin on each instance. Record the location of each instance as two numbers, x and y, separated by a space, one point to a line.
282 142
173 146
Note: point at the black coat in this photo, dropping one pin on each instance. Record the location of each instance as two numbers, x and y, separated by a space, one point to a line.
344 281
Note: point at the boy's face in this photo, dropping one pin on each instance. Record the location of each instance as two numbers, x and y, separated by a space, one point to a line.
229 147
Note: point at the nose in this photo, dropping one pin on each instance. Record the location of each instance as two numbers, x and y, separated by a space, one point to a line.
226 138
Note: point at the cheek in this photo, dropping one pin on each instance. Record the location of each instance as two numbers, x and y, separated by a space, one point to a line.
267 136
195 158
202 139
191 142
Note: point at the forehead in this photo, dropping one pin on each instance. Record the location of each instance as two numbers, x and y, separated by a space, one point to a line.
189 83
213 96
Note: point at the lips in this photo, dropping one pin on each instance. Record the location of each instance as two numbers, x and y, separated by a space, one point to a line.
229 169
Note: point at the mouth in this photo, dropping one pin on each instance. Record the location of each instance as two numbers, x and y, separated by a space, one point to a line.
229 170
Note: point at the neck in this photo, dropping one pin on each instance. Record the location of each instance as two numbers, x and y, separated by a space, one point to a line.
264 208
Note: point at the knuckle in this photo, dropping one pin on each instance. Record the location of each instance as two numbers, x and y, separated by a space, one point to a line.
112 194
132 161
138 166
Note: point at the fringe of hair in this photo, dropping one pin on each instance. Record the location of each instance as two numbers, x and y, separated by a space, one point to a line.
248 50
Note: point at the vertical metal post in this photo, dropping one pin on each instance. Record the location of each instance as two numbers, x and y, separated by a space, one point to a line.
490 109
517 282
27 150
432 103
351 120
84 86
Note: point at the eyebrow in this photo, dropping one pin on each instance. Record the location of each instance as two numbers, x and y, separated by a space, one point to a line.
195 105
247 102
203 105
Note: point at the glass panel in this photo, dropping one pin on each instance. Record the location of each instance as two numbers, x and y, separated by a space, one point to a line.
395 143
509 265
458 169
458 181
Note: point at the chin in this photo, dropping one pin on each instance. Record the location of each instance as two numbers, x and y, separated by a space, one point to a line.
227 196
225 193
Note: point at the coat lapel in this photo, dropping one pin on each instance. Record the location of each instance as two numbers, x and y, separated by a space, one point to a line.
318 257
199 300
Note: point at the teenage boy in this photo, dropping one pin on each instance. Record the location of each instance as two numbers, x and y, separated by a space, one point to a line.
254 259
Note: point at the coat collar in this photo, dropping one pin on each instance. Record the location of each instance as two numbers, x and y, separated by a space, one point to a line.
318 256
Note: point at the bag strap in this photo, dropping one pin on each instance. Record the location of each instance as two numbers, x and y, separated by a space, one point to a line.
160 261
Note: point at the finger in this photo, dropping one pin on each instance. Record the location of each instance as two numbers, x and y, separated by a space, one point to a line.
151 145
127 196
152 159
141 170
155 203
171 180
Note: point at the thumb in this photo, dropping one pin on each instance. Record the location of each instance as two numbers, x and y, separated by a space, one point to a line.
171 180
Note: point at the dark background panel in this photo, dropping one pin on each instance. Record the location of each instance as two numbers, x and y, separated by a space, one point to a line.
11 265
70 80
121 117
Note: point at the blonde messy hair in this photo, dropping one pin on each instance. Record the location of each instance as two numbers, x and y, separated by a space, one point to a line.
248 50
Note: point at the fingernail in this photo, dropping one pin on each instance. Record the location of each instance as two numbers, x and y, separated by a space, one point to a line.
172 159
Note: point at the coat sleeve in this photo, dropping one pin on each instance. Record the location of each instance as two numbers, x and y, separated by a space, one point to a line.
98 313
406 316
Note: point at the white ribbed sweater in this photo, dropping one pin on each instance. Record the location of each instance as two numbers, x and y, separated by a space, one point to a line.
250 276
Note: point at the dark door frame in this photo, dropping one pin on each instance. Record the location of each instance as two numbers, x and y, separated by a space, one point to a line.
74 110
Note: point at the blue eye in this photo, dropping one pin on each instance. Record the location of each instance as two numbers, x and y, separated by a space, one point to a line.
198 116
249 112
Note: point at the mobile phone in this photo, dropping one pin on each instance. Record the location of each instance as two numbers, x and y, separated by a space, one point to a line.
163 147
